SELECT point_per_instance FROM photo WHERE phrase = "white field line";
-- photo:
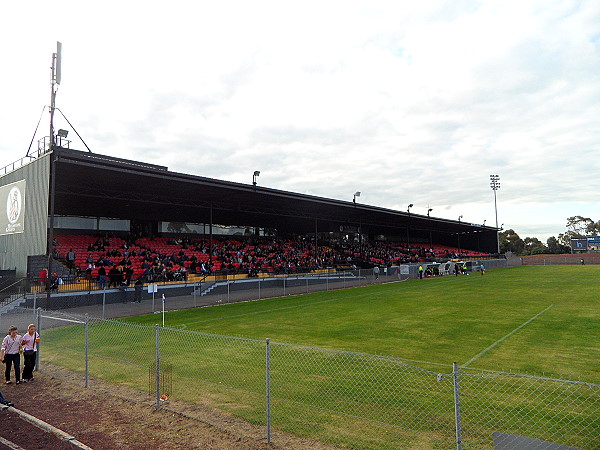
(61, 319)
(480, 354)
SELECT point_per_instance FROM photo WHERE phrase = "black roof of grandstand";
(90, 184)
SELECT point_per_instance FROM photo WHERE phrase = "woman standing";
(10, 354)
(29, 342)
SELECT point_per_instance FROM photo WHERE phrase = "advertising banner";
(579, 245)
(12, 216)
(593, 243)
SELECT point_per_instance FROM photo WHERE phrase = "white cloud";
(408, 102)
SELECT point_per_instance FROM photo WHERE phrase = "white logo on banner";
(13, 205)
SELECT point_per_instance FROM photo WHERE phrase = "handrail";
(11, 285)
(19, 163)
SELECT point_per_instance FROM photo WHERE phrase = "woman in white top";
(30, 342)
(11, 346)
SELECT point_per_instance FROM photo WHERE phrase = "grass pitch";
(540, 320)
(531, 319)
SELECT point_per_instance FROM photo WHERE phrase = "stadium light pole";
(408, 226)
(356, 194)
(495, 185)
(254, 175)
(430, 236)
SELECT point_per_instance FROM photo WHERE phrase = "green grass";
(331, 395)
(440, 320)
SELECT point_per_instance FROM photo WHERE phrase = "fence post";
(268, 389)
(104, 301)
(457, 407)
(87, 319)
(157, 366)
(259, 288)
(38, 312)
(284, 278)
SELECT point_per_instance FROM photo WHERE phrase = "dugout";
(83, 192)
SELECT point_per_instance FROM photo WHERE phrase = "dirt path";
(106, 416)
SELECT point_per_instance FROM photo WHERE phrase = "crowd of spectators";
(116, 261)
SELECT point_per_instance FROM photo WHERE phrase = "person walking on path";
(11, 347)
(30, 342)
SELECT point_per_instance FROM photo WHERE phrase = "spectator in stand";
(102, 277)
(88, 271)
(204, 269)
(114, 277)
(128, 271)
(43, 277)
(71, 259)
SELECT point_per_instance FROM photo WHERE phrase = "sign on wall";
(12, 208)
(593, 243)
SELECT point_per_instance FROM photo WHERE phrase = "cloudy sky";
(406, 102)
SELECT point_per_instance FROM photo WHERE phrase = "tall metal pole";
(52, 101)
(495, 185)
(157, 365)
(87, 346)
(316, 241)
(50, 231)
(268, 389)
(458, 428)
(38, 312)
(210, 230)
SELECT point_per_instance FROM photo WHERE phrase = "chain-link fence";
(344, 399)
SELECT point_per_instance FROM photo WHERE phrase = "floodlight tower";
(495, 185)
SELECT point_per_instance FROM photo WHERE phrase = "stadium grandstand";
(79, 214)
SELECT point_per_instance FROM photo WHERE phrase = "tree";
(577, 227)
(593, 228)
(533, 246)
(511, 242)
(554, 246)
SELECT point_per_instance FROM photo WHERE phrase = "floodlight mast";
(495, 185)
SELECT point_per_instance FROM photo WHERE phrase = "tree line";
(577, 227)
